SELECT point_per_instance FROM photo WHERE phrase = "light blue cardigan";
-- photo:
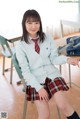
(36, 67)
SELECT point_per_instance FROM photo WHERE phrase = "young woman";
(37, 56)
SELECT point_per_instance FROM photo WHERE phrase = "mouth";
(33, 30)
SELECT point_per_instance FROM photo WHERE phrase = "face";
(32, 27)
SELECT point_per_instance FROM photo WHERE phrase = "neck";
(33, 36)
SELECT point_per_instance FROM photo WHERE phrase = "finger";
(73, 63)
(46, 98)
(79, 64)
(40, 98)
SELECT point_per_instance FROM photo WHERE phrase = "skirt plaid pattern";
(51, 86)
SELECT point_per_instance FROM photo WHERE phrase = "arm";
(60, 59)
(24, 64)
(73, 61)
(55, 58)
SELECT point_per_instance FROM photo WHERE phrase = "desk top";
(62, 42)
(14, 39)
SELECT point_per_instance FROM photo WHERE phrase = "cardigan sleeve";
(55, 58)
(24, 64)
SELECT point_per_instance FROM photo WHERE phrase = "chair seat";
(7, 54)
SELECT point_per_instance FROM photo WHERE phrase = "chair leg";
(69, 75)
(59, 117)
(3, 65)
(11, 72)
(60, 68)
(25, 107)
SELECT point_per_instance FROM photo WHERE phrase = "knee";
(63, 106)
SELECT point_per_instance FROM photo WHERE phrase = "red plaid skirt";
(51, 86)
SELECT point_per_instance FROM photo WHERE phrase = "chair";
(16, 65)
(7, 52)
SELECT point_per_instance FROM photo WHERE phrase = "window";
(11, 12)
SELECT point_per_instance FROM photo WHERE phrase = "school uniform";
(37, 69)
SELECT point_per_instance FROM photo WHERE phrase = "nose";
(33, 25)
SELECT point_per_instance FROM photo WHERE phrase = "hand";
(79, 63)
(43, 95)
(73, 61)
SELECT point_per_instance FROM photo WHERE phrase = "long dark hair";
(34, 15)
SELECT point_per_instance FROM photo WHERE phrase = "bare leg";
(63, 104)
(43, 110)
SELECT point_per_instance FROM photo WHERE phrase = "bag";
(73, 46)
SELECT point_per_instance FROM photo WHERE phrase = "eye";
(29, 22)
(36, 22)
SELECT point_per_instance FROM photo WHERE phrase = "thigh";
(62, 102)
(60, 98)
(42, 107)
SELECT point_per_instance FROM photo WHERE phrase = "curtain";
(63, 10)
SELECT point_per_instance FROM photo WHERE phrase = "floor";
(12, 97)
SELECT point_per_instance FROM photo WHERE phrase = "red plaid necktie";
(37, 48)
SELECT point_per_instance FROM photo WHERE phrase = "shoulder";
(49, 38)
(48, 35)
(19, 44)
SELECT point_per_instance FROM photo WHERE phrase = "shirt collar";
(30, 38)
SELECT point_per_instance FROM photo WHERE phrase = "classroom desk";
(74, 21)
(12, 40)
(62, 42)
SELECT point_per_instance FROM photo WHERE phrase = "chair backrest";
(18, 69)
(5, 45)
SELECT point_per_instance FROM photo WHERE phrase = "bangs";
(32, 19)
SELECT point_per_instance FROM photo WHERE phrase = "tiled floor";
(12, 97)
